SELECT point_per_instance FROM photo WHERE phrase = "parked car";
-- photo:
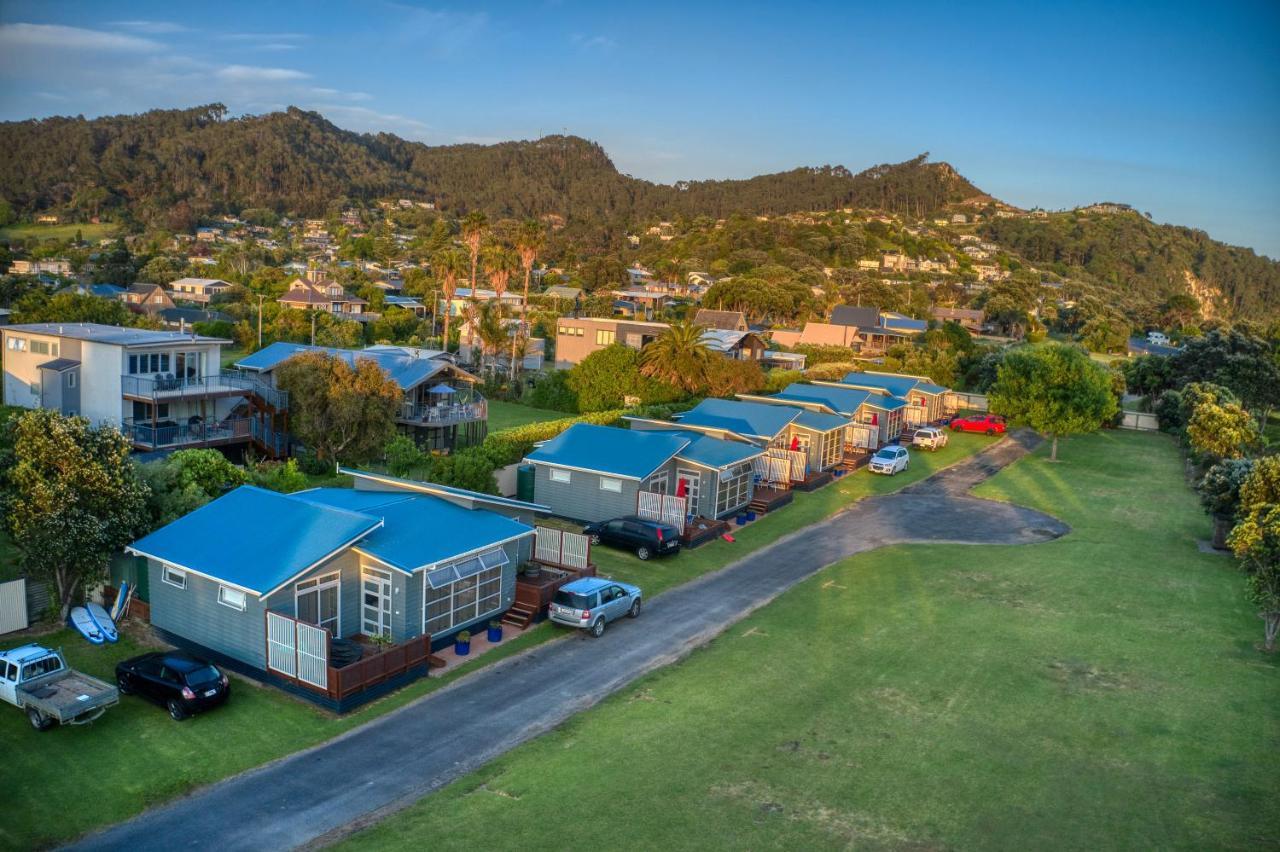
(180, 682)
(989, 424)
(39, 681)
(890, 460)
(647, 538)
(929, 438)
(590, 603)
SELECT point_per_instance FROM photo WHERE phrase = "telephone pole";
(313, 327)
(260, 298)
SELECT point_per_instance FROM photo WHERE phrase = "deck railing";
(376, 668)
(444, 415)
(167, 387)
(156, 436)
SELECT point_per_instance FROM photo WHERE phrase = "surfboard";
(117, 608)
(81, 620)
(104, 622)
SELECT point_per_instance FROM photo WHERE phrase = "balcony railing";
(167, 387)
(444, 415)
(161, 434)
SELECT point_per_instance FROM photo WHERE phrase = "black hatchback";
(180, 682)
(647, 538)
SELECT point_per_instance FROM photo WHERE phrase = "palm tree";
(488, 326)
(449, 265)
(678, 357)
(474, 227)
(528, 241)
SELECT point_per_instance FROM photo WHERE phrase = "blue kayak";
(81, 620)
(104, 622)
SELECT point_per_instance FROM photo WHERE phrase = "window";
(316, 601)
(174, 576)
(233, 598)
(734, 490)
(477, 591)
(18, 344)
(658, 482)
(604, 337)
(608, 483)
(558, 474)
(149, 362)
(71, 379)
(40, 347)
(832, 447)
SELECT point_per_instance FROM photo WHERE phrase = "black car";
(178, 681)
(647, 538)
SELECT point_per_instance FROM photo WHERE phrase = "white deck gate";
(797, 462)
(556, 547)
(663, 508)
(13, 606)
(771, 470)
(281, 644)
(298, 650)
(313, 655)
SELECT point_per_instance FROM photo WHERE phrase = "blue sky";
(1172, 107)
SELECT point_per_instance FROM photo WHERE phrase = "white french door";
(375, 602)
(693, 482)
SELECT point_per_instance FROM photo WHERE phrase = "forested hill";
(298, 162)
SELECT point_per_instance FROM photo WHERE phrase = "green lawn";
(140, 757)
(1098, 692)
(504, 415)
(89, 232)
(230, 355)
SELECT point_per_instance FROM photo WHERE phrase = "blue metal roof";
(896, 385)
(714, 452)
(437, 488)
(419, 530)
(609, 450)
(886, 403)
(406, 370)
(841, 400)
(821, 422)
(753, 419)
(255, 539)
(897, 322)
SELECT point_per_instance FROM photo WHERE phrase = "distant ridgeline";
(168, 168)
(298, 162)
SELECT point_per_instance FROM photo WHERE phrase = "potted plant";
(462, 643)
(495, 631)
(751, 516)
(741, 519)
(532, 570)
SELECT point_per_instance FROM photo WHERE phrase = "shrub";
(1220, 488)
(830, 372)
(552, 392)
(284, 477)
(1168, 409)
(403, 456)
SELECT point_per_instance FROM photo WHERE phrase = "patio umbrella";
(441, 388)
(795, 443)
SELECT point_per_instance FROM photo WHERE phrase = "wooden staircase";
(520, 616)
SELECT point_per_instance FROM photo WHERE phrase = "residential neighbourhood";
(396, 471)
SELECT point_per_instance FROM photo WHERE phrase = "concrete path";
(392, 761)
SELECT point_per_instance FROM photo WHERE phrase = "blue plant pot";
(462, 649)
(495, 634)
(751, 516)
(741, 520)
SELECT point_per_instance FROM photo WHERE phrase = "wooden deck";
(814, 481)
(702, 530)
(534, 593)
(770, 499)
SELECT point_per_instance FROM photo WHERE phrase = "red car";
(989, 424)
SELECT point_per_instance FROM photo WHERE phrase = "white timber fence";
(663, 508)
(960, 401)
(1143, 421)
(13, 606)
(557, 547)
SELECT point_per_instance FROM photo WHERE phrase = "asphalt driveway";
(396, 759)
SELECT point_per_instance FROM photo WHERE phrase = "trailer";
(38, 681)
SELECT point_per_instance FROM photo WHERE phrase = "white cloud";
(56, 36)
(152, 27)
(258, 74)
(366, 120)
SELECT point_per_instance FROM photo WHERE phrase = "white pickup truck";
(38, 680)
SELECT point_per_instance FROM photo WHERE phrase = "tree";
(339, 410)
(1220, 494)
(186, 480)
(474, 227)
(605, 378)
(1222, 431)
(77, 500)
(1055, 389)
(678, 357)
(449, 265)
(1255, 541)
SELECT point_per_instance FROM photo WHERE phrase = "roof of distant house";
(899, 322)
(750, 419)
(892, 383)
(407, 367)
(842, 400)
(201, 282)
(625, 453)
(118, 335)
(719, 319)
(855, 315)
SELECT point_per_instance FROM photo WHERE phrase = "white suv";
(890, 460)
(929, 438)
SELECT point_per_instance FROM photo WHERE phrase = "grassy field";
(88, 232)
(142, 758)
(504, 415)
(1098, 692)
